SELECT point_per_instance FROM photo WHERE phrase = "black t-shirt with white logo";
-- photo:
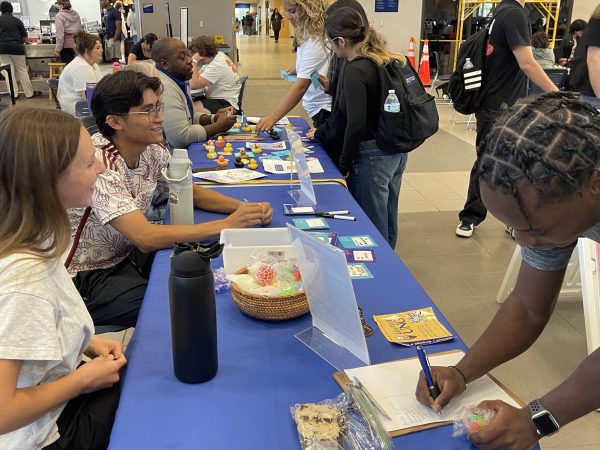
(505, 82)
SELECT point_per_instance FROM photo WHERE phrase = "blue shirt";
(111, 16)
(184, 87)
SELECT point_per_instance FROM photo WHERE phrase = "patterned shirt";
(118, 191)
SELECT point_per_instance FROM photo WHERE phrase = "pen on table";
(370, 397)
(334, 216)
(433, 389)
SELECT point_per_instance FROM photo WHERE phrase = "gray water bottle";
(193, 312)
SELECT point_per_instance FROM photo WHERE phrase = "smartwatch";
(544, 422)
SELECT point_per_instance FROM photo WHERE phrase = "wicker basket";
(266, 307)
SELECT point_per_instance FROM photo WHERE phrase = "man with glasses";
(111, 237)
(183, 125)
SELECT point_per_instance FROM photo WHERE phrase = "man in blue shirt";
(112, 31)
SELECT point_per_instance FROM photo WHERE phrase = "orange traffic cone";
(424, 73)
(411, 51)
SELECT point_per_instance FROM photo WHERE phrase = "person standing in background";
(307, 18)
(54, 9)
(131, 24)
(68, 23)
(564, 52)
(12, 50)
(541, 51)
(112, 31)
(276, 20)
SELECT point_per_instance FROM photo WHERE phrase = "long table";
(199, 160)
(263, 368)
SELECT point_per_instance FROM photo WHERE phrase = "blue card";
(291, 77)
(316, 223)
(329, 238)
(359, 270)
(281, 153)
(269, 157)
(351, 242)
(298, 210)
(314, 77)
(358, 256)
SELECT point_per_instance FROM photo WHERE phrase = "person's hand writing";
(324, 82)
(448, 380)
(267, 211)
(510, 428)
(310, 134)
(266, 123)
(104, 347)
(247, 215)
(100, 373)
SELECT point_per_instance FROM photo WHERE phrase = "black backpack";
(467, 87)
(418, 117)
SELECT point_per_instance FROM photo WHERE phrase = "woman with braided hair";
(539, 173)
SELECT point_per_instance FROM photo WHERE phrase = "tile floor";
(462, 276)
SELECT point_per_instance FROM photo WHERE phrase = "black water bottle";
(193, 314)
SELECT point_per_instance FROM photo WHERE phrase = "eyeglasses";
(152, 113)
(329, 42)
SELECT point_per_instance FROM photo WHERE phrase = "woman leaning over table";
(79, 72)
(374, 175)
(307, 17)
(49, 399)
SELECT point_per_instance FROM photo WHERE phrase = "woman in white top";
(48, 398)
(82, 70)
(312, 60)
(219, 75)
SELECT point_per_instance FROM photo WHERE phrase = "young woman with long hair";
(307, 18)
(374, 174)
(49, 400)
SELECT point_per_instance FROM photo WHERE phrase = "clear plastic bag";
(222, 284)
(344, 423)
(470, 419)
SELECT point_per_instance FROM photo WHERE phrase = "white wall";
(582, 9)
(38, 9)
(397, 27)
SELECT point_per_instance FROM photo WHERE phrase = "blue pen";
(433, 389)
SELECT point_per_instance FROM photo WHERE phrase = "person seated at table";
(79, 72)
(541, 51)
(182, 124)
(374, 174)
(218, 75)
(128, 110)
(49, 398)
(142, 51)
(307, 18)
(539, 173)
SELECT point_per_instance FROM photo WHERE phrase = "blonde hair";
(144, 67)
(34, 153)
(311, 17)
(348, 23)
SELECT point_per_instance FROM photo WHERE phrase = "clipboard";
(342, 379)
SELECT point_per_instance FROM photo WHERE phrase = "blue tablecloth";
(331, 172)
(263, 368)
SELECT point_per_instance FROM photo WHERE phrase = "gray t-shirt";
(45, 324)
(557, 258)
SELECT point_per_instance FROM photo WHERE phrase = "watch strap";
(535, 407)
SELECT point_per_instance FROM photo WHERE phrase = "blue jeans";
(374, 182)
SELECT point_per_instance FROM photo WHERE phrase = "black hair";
(335, 65)
(150, 39)
(117, 94)
(577, 25)
(549, 142)
(6, 7)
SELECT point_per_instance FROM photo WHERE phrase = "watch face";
(545, 423)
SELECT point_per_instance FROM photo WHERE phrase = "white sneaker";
(465, 229)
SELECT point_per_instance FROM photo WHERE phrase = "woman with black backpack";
(374, 174)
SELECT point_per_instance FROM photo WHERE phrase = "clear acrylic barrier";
(337, 333)
(306, 194)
